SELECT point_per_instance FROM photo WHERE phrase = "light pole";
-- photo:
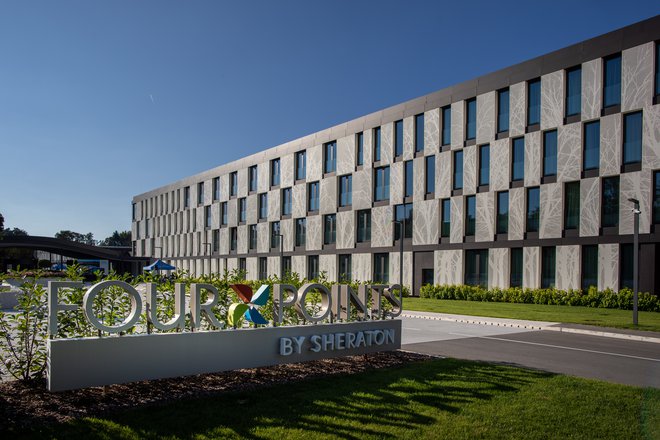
(281, 238)
(209, 254)
(402, 230)
(636, 213)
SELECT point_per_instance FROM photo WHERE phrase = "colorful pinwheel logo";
(249, 307)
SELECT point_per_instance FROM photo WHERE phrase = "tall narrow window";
(516, 268)
(572, 206)
(656, 197)
(476, 267)
(471, 119)
(200, 193)
(345, 190)
(345, 268)
(275, 234)
(484, 165)
(301, 232)
(419, 133)
(301, 165)
(550, 153)
(503, 212)
(359, 142)
(626, 271)
(612, 81)
(632, 138)
(242, 210)
(533, 209)
(470, 215)
(591, 152)
(430, 174)
(207, 216)
(286, 264)
(253, 237)
(223, 213)
(263, 206)
(408, 171)
(242, 266)
(216, 189)
(446, 125)
(548, 264)
(381, 268)
(252, 179)
(589, 266)
(233, 184)
(274, 172)
(503, 110)
(263, 268)
(364, 226)
(382, 184)
(610, 202)
(574, 91)
(404, 214)
(313, 197)
(286, 201)
(518, 159)
(312, 267)
(534, 102)
(186, 197)
(398, 138)
(215, 241)
(377, 144)
(330, 157)
(232, 239)
(458, 169)
(445, 222)
(657, 68)
(330, 229)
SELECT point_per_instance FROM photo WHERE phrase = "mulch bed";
(23, 406)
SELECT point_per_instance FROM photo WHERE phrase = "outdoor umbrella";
(159, 265)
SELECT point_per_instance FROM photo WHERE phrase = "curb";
(554, 328)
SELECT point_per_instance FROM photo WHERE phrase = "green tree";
(76, 236)
(117, 239)
(2, 223)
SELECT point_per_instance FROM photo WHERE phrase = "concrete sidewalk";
(607, 332)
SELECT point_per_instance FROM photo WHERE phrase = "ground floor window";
(548, 267)
(589, 266)
(344, 268)
(626, 275)
(516, 267)
(312, 267)
(381, 268)
(476, 267)
(263, 268)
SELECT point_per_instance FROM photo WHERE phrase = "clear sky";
(103, 100)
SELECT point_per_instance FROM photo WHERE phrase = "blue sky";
(103, 100)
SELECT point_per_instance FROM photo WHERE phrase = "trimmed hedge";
(607, 299)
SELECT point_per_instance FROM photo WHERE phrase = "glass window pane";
(360, 149)
(419, 132)
(610, 203)
(548, 267)
(446, 125)
(503, 212)
(589, 266)
(470, 215)
(550, 153)
(503, 110)
(408, 190)
(572, 205)
(534, 102)
(398, 138)
(446, 217)
(591, 154)
(471, 118)
(632, 141)
(612, 80)
(626, 275)
(533, 209)
(574, 91)
(484, 165)
(330, 159)
(430, 174)
(656, 197)
(516, 277)
(377, 144)
(458, 170)
(518, 159)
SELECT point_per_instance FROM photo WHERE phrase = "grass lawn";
(537, 312)
(436, 399)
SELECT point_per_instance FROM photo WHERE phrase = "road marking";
(558, 346)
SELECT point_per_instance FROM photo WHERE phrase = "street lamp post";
(636, 213)
(209, 253)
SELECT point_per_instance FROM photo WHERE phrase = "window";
(503, 212)
(364, 226)
(233, 184)
(589, 266)
(330, 229)
(470, 215)
(274, 172)
(286, 201)
(403, 214)
(232, 239)
(253, 237)
(656, 197)
(548, 267)
(252, 178)
(419, 133)
(572, 206)
(550, 153)
(408, 189)
(377, 144)
(186, 197)
(330, 157)
(359, 142)
(381, 184)
(445, 222)
(312, 267)
(430, 174)
(516, 268)
(471, 119)
(216, 188)
(503, 110)
(610, 202)
(200, 193)
(591, 154)
(133, 211)
(301, 232)
(518, 159)
(263, 268)
(223, 213)
(398, 138)
(263, 206)
(215, 240)
(626, 275)
(275, 234)
(657, 68)
(286, 265)
(533, 209)
(458, 169)
(301, 165)
(345, 268)
(446, 125)
(313, 197)
(476, 267)
(242, 210)
(242, 266)
(345, 190)
(574, 91)
(484, 165)
(612, 81)
(632, 138)
(381, 268)
(534, 102)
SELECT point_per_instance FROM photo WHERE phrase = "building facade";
(517, 178)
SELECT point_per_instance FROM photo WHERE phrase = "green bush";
(607, 298)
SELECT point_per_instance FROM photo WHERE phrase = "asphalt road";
(595, 357)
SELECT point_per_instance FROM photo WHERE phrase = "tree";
(14, 232)
(2, 223)
(76, 237)
(117, 239)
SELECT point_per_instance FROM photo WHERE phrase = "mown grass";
(439, 399)
(537, 312)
